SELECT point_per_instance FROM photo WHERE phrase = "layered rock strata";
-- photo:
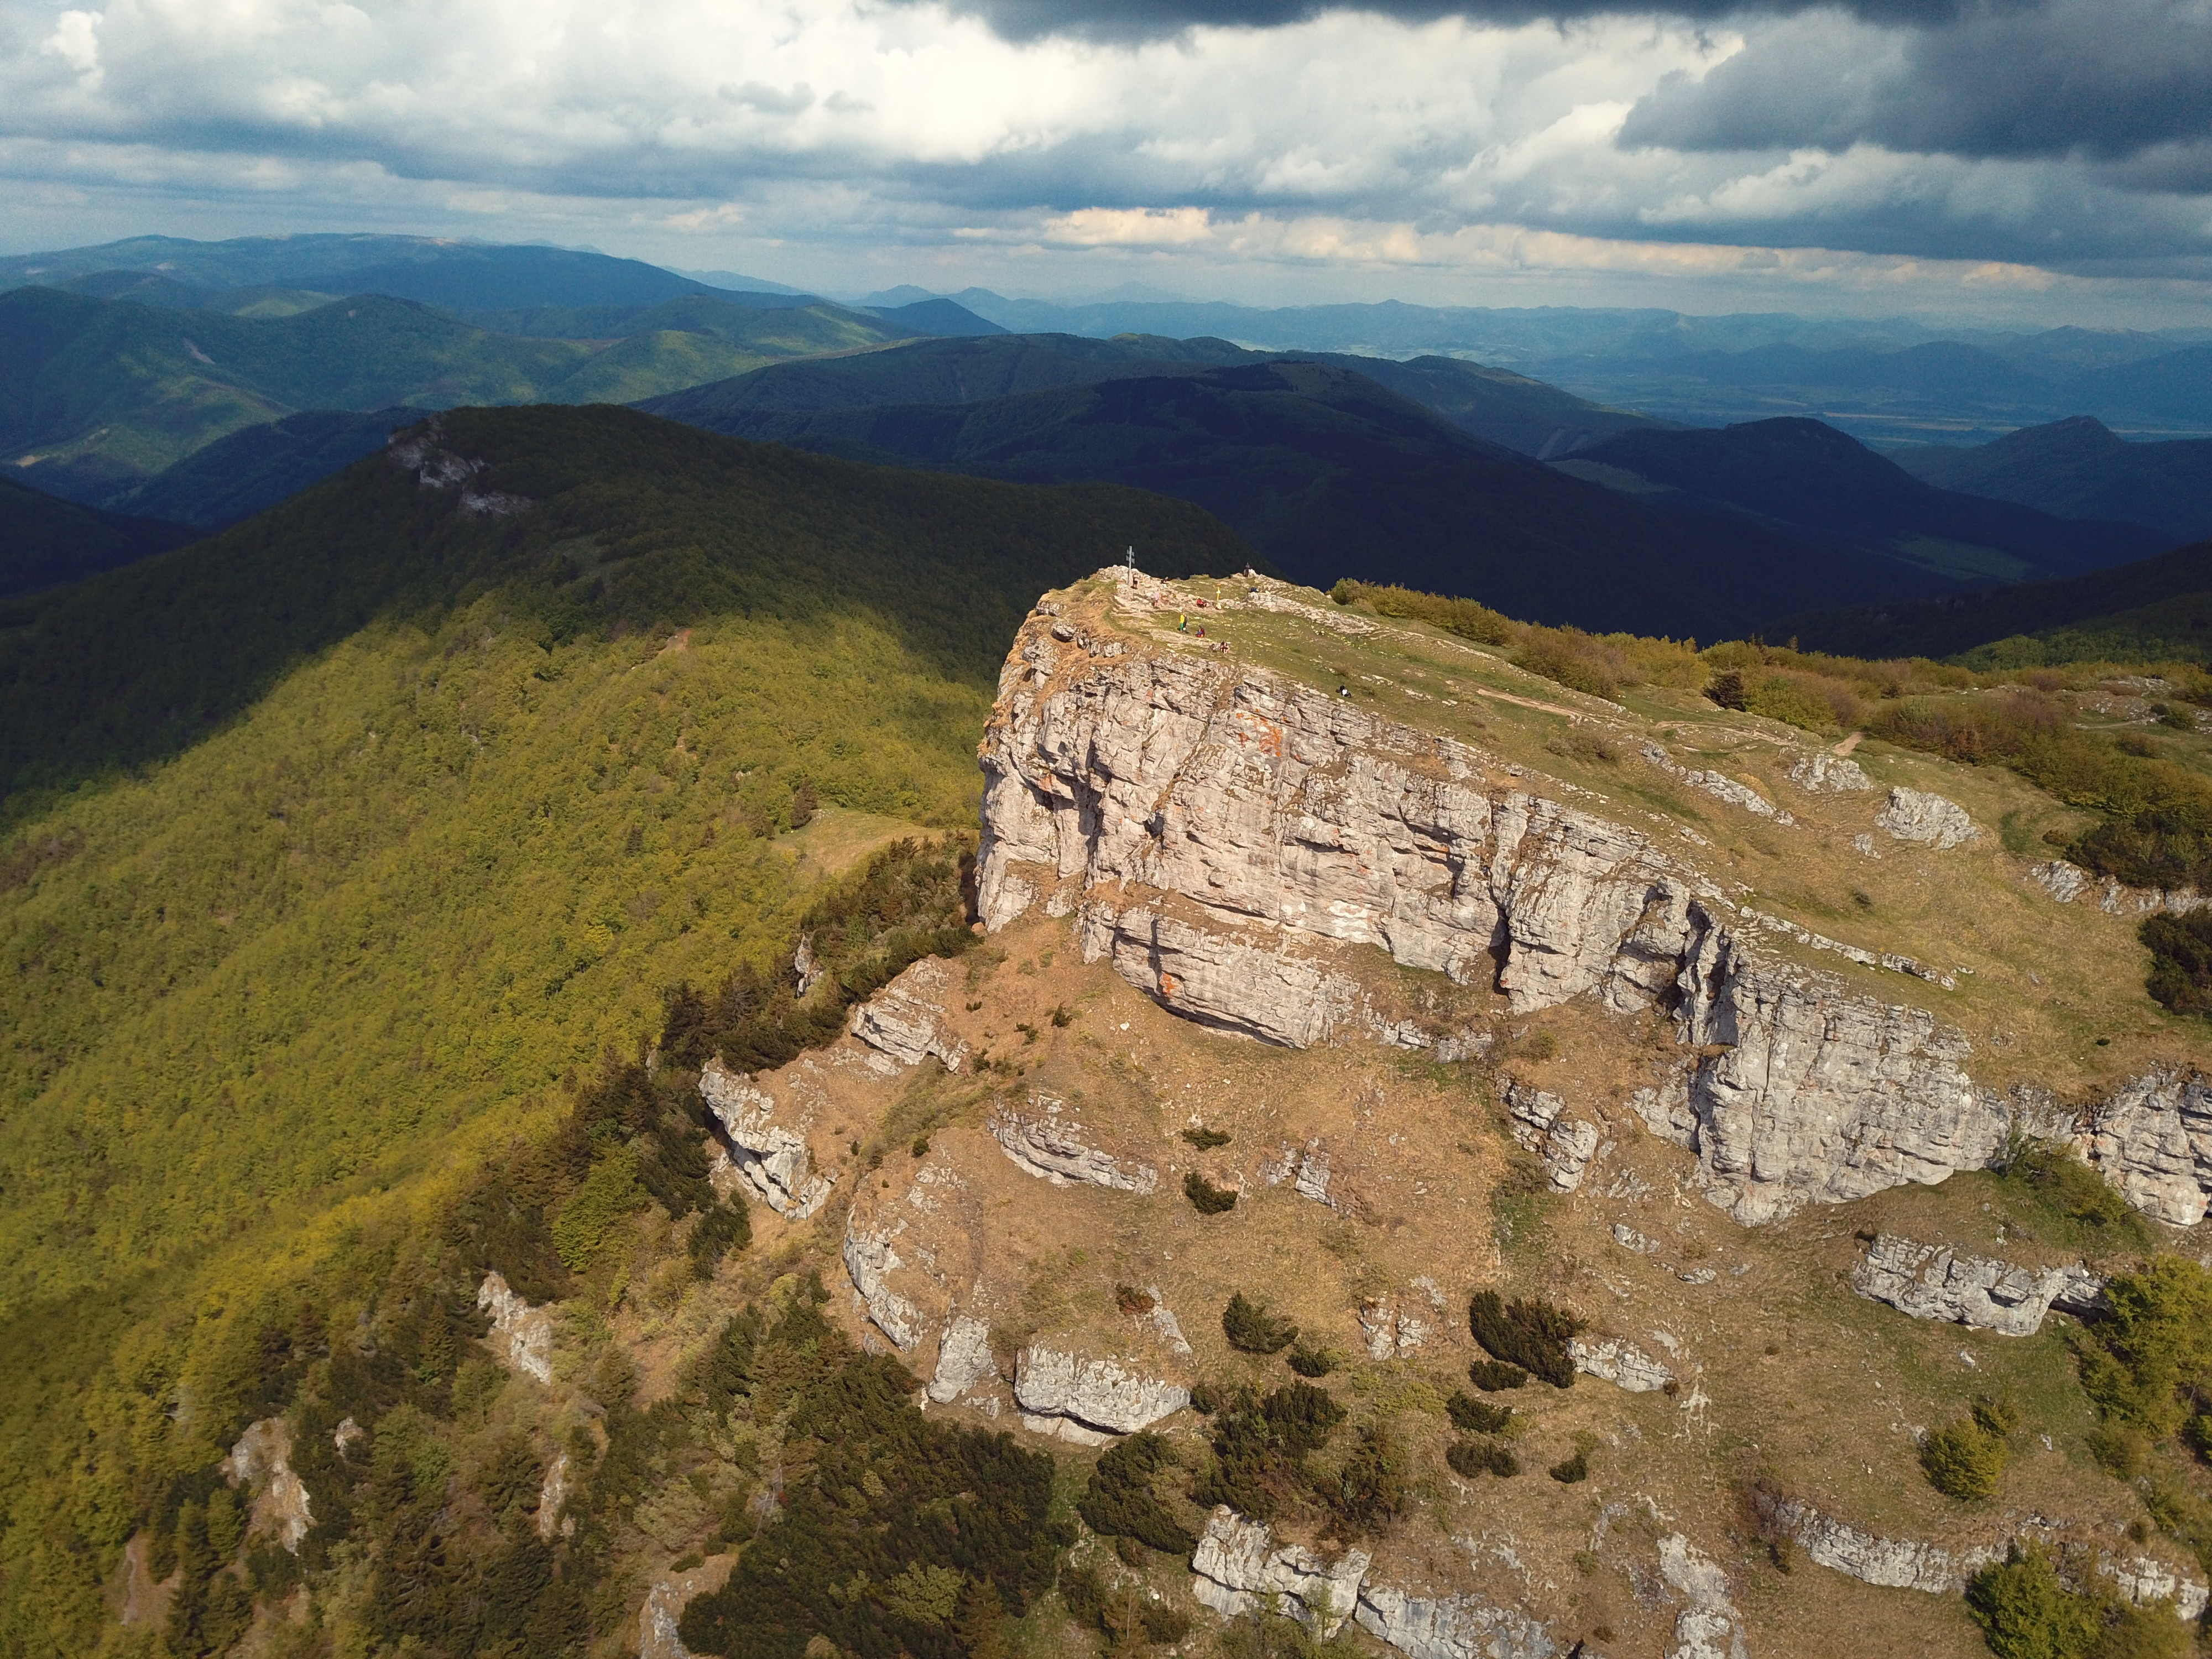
(1049, 1143)
(1088, 1399)
(2153, 1139)
(903, 1023)
(1621, 1363)
(1718, 785)
(1916, 816)
(1564, 1146)
(1227, 833)
(963, 1358)
(870, 1261)
(521, 1337)
(1450, 1626)
(1237, 1566)
(1932, 1281)
(771, 1159)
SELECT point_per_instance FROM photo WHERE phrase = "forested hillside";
(339, 846)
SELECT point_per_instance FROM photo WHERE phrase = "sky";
(2046, 159)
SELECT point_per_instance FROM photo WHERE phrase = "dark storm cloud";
(1141, 19)
(2100, 78)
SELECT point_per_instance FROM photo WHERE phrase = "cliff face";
(1230, 838)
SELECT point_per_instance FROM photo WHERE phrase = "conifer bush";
(1473, 1456)
(1529, 1333)
(1251, 1328)
(1207, 1198)
(1473, 1416)
(1119, 1501)
(1495, 1375)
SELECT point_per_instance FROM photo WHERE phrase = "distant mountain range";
(1888, 381)
(115, 375)
(1808, 480)
(2078, 468)
(1326, 472)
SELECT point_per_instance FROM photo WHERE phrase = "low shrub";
(1251, 1328)
(1965, 1460)
(1207, 1198)
(1311, 1361)
(1495, 1375)
(1260, 1448)
(2180, 961)
(1529, 1333)
(2027, 1612)
(2146, 1360)
(1569, 1470)
(1120, 1502)
(1369, 1489)
(2051, 1174)
(1205, 1140)
(1473, 1416)
(1473, 1457)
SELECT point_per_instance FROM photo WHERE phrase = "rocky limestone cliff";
(1237, 1566)
(1227, 834)
(521, 1335)
(772, 1159)
(1087, 1400)
(1932, 1281)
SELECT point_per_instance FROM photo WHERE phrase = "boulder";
(1450, 1626)
(1932, 1281)
(1708, 1626)
(1916, 816)
(1057, 1392)
(1621, 1363)
(1389, 1330)
(1237, 1565)
(903, 1023)
(772, 1159)
(522, 1336)
(1049, 1143)
(963, 1358)
(1827, 773)
(1564, 1146)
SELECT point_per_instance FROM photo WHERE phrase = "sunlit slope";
(425, 809)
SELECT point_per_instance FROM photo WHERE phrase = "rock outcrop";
(1718, 785)
(1049, 1143)
(1228, 833)
(1621, 1363)
(1709, 1626)
(1306, 1168)
(963, 1358)
(1237, 1566)
(772, 1159)
(261, 1461)
(1916, 816)
(869, 1262)
(552, 1499)
(1893, 1563)
(1450, 1626)
(1390, 1330)
(1810, 1094)
(1228, 826)
(2153, 1139)
(1932, 1281)
(522, 1336)
(903, 1023)
(1088, 1399)
(1564, 1146)
(1832, 773)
